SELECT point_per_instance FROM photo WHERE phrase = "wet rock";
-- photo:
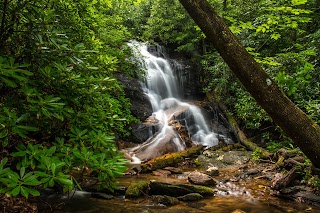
(300, 194)
(190, 197)
(161, 172)
(137, 189)
(250, 172)
(174, 170)
(166, 200)
(238, 211)
(199, 178)
(140, 104)
(140, 132)
(176, 190)
(223, 159)
(100, 195)
(212, 171)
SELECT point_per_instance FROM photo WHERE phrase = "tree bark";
(304, 132)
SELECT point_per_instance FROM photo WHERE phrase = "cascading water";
(162, 87)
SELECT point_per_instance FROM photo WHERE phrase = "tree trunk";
(294, 122)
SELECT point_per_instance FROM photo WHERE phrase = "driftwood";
(169, 159)
(288, 159)
(264, 154)
(286, 180)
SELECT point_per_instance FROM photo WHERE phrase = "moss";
(169, 159)
(166, 200)
(176, 190)
(137, 189)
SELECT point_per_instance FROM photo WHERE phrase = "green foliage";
(277, 35)
(60, 105)
(10, 124)
(14, 183)
(11, 73)
(169, 23)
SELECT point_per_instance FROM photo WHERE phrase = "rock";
(166, 200)
(300, 194)
(223, 159)
(140, 104)
(212, 171)
(137, 189)
(174, 170)
(199, 178)
(161, 172)
(140, 132)
(238, 211)
(100, 195)
(176, 190)
(190, 197)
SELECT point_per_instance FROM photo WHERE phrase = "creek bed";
(247, 195)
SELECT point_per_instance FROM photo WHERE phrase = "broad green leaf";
(32, 181)
(28, 128)
(4, 133)
(18, 131)
(64, 181)
(24, 192)
(22, 171)
(53, 168)
(9, 82)
(33, 192)
(16, 191)
(18, 154)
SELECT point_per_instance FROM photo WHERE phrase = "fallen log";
(169, 159)
(242, 138)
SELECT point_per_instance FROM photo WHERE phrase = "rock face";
(199, 178)
(140, 106)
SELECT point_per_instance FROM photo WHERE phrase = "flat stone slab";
(221, 159)
(200, 178)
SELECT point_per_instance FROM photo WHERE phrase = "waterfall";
(165, 93)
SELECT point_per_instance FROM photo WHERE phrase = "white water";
(164, 92)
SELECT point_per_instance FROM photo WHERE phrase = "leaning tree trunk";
(294, 122)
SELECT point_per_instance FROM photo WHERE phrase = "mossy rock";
(137, 189)
(191, 197)
(166, 200)
(176, 190)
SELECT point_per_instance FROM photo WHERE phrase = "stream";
(234, 192)
(248, 195)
